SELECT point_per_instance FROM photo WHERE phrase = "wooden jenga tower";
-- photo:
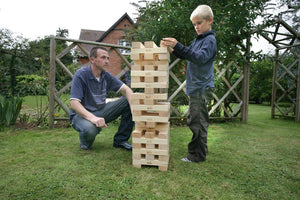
(150, 139)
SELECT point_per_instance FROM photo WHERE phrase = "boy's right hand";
(168, 42)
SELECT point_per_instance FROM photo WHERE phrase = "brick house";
(114, 35)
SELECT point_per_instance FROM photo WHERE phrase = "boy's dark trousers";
(198, 121)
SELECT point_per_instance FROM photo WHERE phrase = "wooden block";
(137, 68)
(150, 44)
(151, 62)
(154, 162)
(163, 135)
(149, 157)
(135, 102)
(135, 56)
(150, 134)
(161, 128)
(161, 44)
(162, 168)
(164, 113)
(136, 146)
(150, 91)
(140, 125)
(164, 56)
(140, 132)
(137, 45)
(150, 151)
(136, 133)
(150, 101)
(150, 124)
(135, 79)
(136, 156)
(162, 78)
(137, 113)
(149, 79)
(149, 85)
(164, 158)
(159, 106)
(151, 67)
(150, 146)
(155, 96)
(149, 73)
(140, 166)
(150, 141)
(149, 56)
(149, 50)
(150, 118)
(162, 67)
(164, 147)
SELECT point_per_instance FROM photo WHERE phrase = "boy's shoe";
(84, 147)
(186, 160)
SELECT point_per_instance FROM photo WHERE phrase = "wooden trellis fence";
(232, 100)
(286, 77)
(240, 109)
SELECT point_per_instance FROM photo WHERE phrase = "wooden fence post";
(52, 81)
(245, 97)
(298, 94)
(245, 91)
(274, 84)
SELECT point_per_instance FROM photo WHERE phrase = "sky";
(35, 19)
(39, 18)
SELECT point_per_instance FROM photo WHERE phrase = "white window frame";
(125, 43)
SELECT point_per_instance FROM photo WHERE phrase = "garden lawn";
(258, 160)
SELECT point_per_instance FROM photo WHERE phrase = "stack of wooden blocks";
(151, 112)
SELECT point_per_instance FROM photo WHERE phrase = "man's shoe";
(124, 145)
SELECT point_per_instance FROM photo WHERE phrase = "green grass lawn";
(258, 160)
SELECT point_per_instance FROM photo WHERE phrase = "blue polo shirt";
(90, 91)
(200, 68)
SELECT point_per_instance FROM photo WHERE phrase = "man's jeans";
(198, 120)
(111, 111)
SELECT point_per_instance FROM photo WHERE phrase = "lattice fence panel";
(227, 98)
(285, 83)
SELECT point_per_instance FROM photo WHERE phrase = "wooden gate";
(286, 74)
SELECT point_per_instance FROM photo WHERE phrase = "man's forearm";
(79, 109)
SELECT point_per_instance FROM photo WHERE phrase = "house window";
(125, 43)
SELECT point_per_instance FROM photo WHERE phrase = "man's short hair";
(93, 52)
(202, 11)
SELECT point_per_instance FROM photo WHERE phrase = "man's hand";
(79, 109)
(99, 122)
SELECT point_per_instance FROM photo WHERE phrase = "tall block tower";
(151, 111)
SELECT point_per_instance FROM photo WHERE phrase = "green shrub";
(28, 85)
(9, 110)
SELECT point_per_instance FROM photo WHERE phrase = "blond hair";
(202, 11)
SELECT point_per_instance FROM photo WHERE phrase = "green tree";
(19, 56)
(261, 80)
(233, 23)
(11, 56)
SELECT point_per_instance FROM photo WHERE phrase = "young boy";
(199, 78)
